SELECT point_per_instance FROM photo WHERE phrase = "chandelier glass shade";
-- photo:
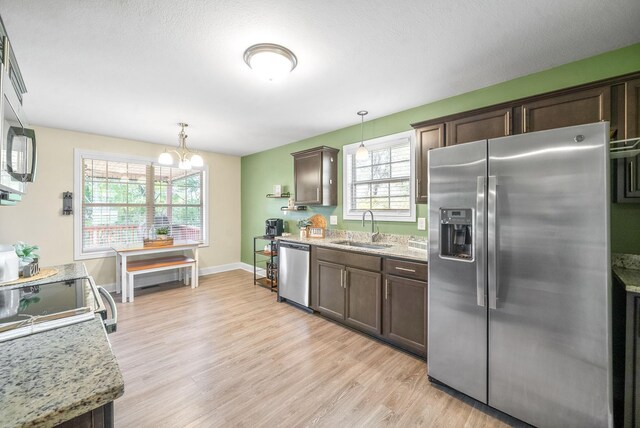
(186, 158)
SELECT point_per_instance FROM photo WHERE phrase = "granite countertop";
(53, 376)
(66, 272)
(399, 244)
(627, 268)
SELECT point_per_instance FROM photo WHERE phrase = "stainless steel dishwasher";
(293, 272)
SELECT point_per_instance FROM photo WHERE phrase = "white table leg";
(194, 276)
(196, 269)
(118, 282)
(123, 278)
(130, 281)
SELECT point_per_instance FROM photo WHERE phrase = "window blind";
(123, 201)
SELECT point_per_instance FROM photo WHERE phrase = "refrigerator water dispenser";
(455, 233)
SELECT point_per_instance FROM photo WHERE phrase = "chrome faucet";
(373, 234)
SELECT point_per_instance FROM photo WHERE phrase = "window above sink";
(382, 183)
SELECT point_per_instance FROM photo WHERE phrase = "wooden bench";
(159, 264)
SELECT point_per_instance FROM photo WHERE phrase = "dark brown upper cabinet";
(628, 173)
(576, 108)
(481, 126)
(315, 174)
(427, 138)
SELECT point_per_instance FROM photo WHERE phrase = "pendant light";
(362, 153)
(186, 159)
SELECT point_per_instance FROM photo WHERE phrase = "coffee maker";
(274, 227)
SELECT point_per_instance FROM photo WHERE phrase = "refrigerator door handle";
(479, 250)
(492, 238)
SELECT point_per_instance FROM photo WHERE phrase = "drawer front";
(406, 269)
(349, 258)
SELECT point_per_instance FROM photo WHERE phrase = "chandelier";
(186, 159)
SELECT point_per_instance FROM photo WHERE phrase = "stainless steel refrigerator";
(519, 274)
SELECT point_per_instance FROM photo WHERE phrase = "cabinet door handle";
(341, 278)
(317, 193)
(405, 269)
(345, 278)
(386, 289)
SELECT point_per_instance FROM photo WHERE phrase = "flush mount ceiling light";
(270, 61)
(362, 153)
(186, 159)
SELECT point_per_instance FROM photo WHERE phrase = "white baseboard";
(145, 280)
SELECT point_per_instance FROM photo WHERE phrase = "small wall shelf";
(283, 195)
(295, 208)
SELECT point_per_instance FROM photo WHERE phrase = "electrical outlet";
(422, 223)
(333, 220)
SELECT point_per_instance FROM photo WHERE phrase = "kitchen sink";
(371, 246)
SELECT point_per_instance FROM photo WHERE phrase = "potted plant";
(28, 258)
(162, 232)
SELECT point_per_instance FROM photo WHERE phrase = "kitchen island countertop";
(627, 268)
(56, 375)
(397, 249)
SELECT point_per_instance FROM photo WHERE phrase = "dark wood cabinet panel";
(481, 126)
(316, 176)
(349, 258)
(628, 173)
(364, 305)
(307, 178)
(576, 108)
(405, 313)
(101, 417)
(331, 294)
(427, 138)
(631, 413)
(406, 268)
(348, 287)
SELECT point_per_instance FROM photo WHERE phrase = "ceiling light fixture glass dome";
(186, 158)
(270, 61)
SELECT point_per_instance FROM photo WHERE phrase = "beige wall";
(38, 218)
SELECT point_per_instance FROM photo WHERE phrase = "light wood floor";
(227, 354)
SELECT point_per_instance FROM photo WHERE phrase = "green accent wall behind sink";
(260, 171)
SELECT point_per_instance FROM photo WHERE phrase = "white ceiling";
(133, 69)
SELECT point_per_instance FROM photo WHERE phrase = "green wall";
(260, 171)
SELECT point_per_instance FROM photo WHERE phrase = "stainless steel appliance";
(519, 275)
(273, 227)
(293, 272)
(18, 144)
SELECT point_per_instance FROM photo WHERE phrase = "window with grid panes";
(382, 183)
(122, 200)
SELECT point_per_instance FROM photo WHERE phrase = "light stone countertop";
(56, 375)
(66, 272)
(627, 268)
(398, 248)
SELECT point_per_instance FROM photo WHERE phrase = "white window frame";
(79, 155)
(373, 144)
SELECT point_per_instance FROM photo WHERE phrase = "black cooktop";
(47, 301)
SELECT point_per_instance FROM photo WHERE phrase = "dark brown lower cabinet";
(632, 362)
(101, 417)
(350, 295)
(364, 300)
(348, 287)
(405, 310)
(331, 295)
